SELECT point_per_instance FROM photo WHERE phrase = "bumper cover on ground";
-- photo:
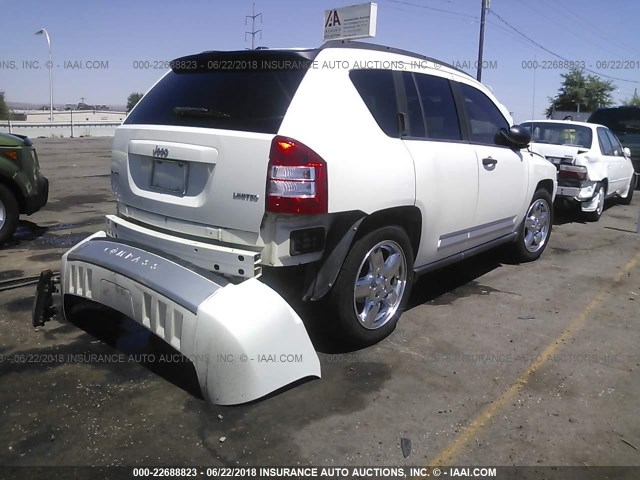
(244, 339)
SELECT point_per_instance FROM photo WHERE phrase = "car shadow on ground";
(32, 236)
(439, 287)
(134, 341)
(25, 232)
(563, 214)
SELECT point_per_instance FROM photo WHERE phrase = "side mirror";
(516, 137)
(627, 152)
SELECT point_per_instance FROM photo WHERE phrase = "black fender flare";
(342, 231)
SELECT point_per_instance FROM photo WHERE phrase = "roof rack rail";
(382, 48)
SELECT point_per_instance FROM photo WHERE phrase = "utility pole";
(485, 7)
(253, 31)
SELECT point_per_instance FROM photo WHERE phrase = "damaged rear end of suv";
(184, 252)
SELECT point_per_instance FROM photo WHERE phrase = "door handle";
(489, 162)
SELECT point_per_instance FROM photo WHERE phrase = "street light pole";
(50, 67)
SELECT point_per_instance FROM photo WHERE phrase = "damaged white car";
(592, 164)
(363, 164)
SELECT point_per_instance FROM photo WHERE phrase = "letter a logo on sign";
(332, 19)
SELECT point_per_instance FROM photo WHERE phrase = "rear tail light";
(296, 179)
(573, 172)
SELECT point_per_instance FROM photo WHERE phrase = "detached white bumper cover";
(244, 340)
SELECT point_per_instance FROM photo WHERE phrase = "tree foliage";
(634, 101)
(133, 99)
(4, 111)
(578, 89)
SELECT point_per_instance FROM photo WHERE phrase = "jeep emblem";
(160, 152)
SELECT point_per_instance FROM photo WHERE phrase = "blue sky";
(123, 32)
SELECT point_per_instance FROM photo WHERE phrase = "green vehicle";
(23, 189)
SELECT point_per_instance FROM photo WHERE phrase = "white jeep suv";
(365, 164)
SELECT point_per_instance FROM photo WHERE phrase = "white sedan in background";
(592, 164)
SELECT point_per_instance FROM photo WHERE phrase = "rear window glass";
(559, 133)
(246, 100)
(377, 89)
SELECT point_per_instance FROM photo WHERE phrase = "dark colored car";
(625, 123)
(22, 187)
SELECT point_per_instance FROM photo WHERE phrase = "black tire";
(388, 296)
(533, 235)
(632, 186)
(597, 213)
(9, 212)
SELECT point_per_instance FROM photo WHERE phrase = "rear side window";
(252, 101)
(615, 143)
(605, 144)
(377, 89)
(439, 107)
(485, 119)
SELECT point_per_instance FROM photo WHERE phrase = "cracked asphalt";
(493, 363)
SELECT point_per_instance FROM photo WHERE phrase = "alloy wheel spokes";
(380, 284)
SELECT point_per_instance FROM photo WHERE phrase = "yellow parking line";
(446, 456)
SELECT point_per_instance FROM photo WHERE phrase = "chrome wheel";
(536, 225)
(380, 284)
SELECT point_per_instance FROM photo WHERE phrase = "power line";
(517, 38)
(493, 12)
(434, 9)
(580, 33)
(593, 29)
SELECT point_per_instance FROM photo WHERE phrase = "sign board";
(356, 21)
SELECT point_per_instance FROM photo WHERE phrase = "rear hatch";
(196, 147)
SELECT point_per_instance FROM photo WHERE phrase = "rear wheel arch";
(407, 217)
(345, 233)
(605, 183)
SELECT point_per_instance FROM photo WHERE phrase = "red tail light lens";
(572, 172)
(296, 179)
